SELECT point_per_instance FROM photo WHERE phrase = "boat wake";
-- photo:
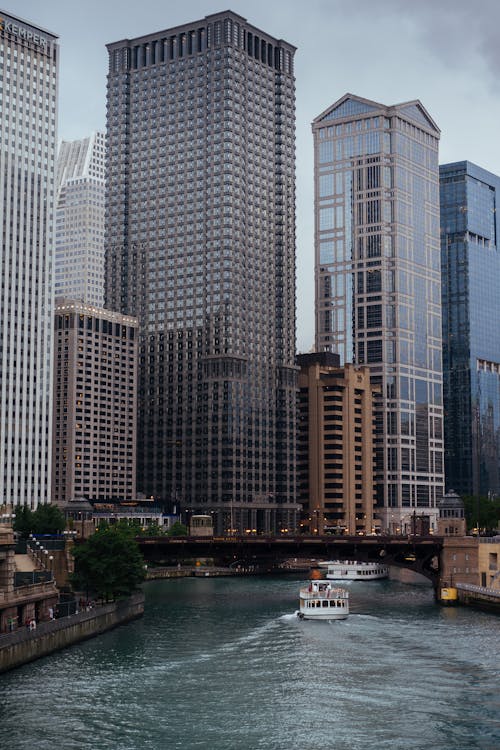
(364, 617)
(290, 617)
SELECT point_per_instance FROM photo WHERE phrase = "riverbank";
(23, 645)
(479, 597)
(205, 571)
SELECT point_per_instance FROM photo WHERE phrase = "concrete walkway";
(24, 564)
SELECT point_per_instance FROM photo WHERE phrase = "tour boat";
(351, 570)
(320, 601)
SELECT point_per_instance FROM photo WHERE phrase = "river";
(224, 664)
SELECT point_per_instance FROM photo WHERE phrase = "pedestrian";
(51, 613)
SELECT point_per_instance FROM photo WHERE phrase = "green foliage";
(23, 522)
(109, 564)
(134, 527)
(482, 511)
(46, 519)
(153, 529)
(177, 529)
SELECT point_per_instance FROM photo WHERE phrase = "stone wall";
(24, 645)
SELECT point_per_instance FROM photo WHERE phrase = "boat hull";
(321, 616)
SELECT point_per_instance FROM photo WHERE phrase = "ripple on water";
(227, 665)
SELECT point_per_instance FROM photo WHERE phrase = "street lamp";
(316, 513)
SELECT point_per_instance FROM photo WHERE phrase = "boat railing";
(324, 593)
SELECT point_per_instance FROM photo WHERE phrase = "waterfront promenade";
(24, 645)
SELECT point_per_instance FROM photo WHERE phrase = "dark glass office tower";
(201, 248)
(471, 329)
(378, 285)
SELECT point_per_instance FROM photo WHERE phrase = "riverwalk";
(24, 645)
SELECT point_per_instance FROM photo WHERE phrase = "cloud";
(459, 33)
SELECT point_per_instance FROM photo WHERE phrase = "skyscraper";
(28, 101)
(95, 388)
(80, 196)
(201, 248)
(470, 269)
(378, 299)
(335, 445)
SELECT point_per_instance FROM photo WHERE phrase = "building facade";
(378, 300)
(489, 562)
(470, 267)
(335, 438)
(80, 211)
(28, 118)
(21, 603)
(201, 122)
(95, 391)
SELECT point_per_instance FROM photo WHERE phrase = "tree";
(152, 529)
(46, 519)
(482, 512)
(109, 564)
(177, 529)
(23, 522)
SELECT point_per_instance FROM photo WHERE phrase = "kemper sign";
(22, 32)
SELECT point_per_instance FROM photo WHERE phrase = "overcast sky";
(444, 52)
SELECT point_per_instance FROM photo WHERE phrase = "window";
(374, 351)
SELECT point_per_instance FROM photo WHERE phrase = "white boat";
(351, 570)
(321, 601)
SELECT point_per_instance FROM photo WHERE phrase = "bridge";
(421, 554)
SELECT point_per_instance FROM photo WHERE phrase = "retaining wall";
(24, 645)
(479, 597)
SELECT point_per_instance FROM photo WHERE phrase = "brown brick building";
(335, 445)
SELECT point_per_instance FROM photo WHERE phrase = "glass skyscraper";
(201, 249)
(378, 279)
(28, 119)
(470, 267)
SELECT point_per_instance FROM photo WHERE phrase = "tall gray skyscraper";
(201, 248)
(80, 197)
(378, 284)
(28, 102)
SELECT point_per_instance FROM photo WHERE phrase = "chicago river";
(224, 664)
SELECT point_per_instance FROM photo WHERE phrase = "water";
(224, 664)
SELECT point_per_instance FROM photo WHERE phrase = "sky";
(443, 52)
